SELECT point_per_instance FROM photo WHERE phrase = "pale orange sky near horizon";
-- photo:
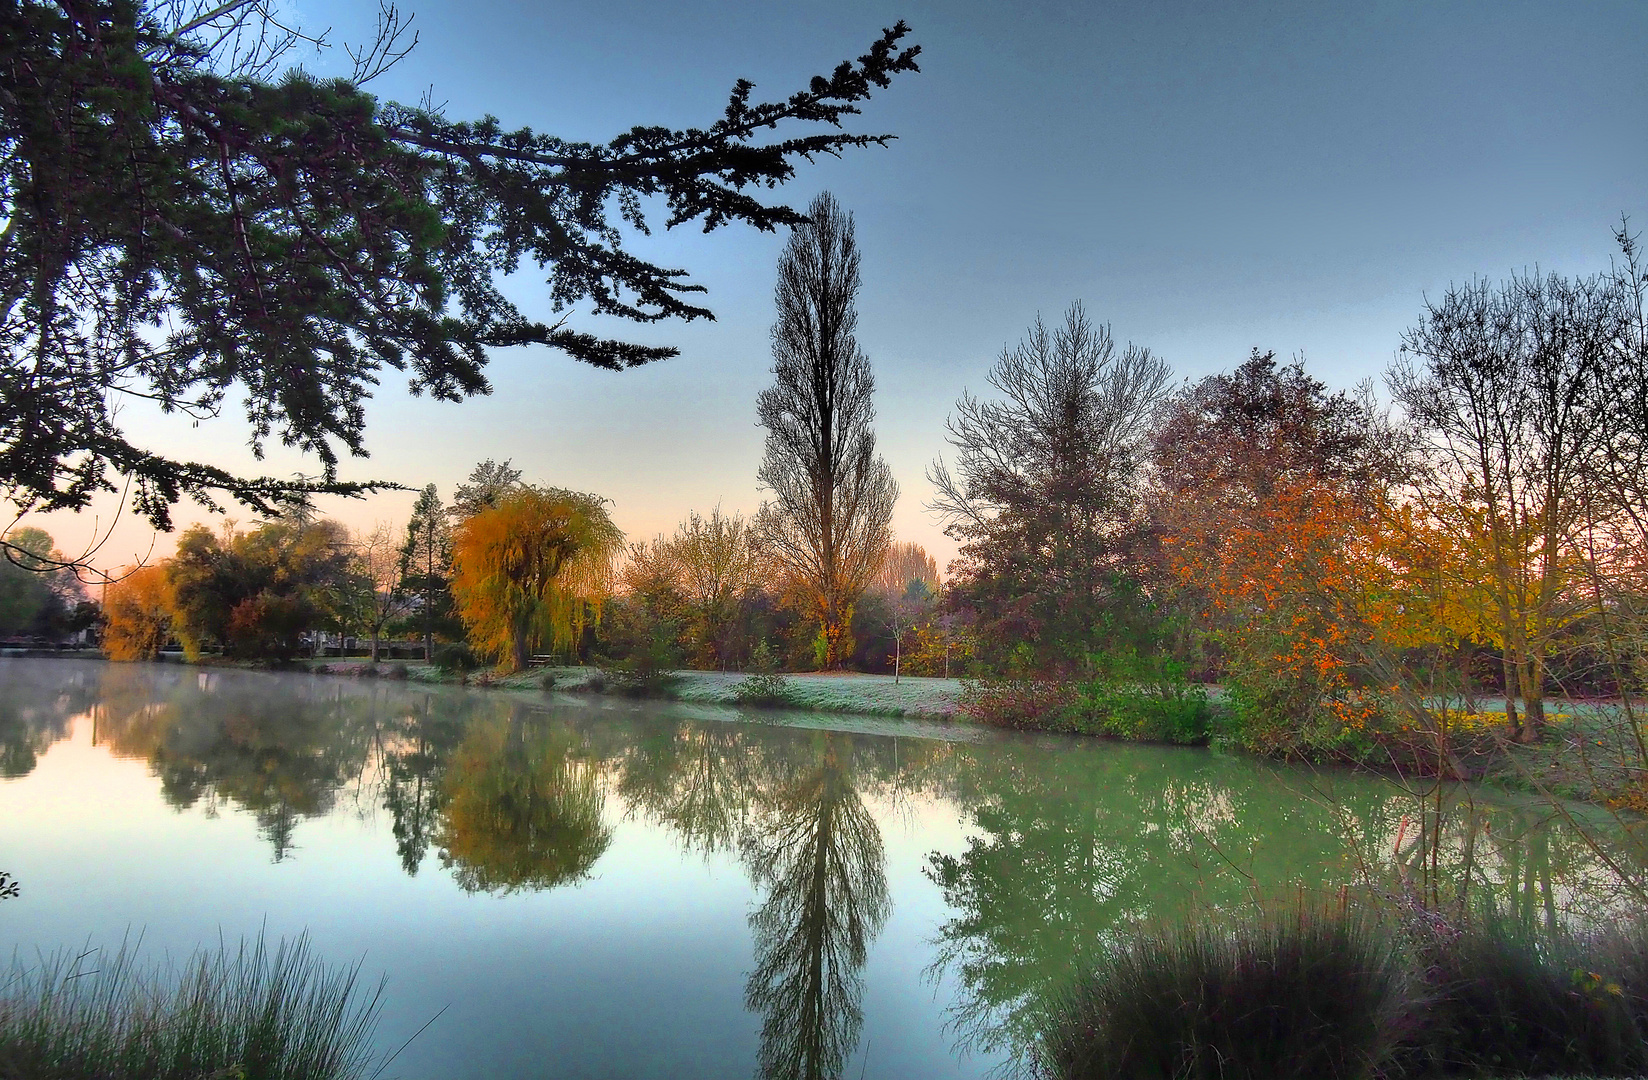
(1205, 178)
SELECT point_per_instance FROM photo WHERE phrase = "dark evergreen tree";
(488, 482)
(426, 567)
(181, 225)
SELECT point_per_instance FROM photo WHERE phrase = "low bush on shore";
(1336, 992)
(245, 1013)
(764, 687)
(1142, 699)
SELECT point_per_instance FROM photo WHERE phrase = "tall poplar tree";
(828, 523)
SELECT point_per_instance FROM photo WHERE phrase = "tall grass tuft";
(232, 1014)
(1509, 1000)
(1305, 992)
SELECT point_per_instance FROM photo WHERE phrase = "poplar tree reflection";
(524, 807)
(817, 851)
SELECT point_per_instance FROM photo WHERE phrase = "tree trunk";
(1508, 663)
(374, 644)
(836, 626)
(1533, 700)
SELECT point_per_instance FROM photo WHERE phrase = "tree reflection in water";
(524, 807)
(1066, 840)
(695, 779)
(244, 739)
(415, 750)
(817, 851)
(1071, 846)
(36, 707)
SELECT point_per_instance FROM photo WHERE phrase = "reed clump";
(1306, 992)
(1507, 999)
(242, 1013)
(1347, 991)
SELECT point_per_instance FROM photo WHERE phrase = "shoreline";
(1564, 767)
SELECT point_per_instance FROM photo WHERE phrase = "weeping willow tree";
(526, 570)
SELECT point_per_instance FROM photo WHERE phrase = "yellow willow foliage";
(524, 570)
(138, 614)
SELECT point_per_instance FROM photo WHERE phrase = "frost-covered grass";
(868, 695)
(843, 692)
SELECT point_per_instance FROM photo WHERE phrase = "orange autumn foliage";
(138, 614)
(525, 571)
(1314, 592)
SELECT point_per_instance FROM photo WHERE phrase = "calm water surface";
(591, 888)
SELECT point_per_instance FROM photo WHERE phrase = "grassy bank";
(247, 1013)
(844, 692)
(1589, 753)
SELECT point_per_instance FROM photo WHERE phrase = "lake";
(590, 887)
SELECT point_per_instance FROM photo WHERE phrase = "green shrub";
(649, 671)
(455, 658)
(1302, 993)
(242, 1013)
(764, 687)
(1143, 698)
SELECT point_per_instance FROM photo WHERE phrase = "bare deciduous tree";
(378, 561)
(828, 521)
(1045, 482)
(907, 562)
(1508, 383)
(718, 563)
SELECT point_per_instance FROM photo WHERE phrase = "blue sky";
(1205, 177)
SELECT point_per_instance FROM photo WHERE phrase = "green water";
(584, 887)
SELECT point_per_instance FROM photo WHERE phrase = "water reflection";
(242, 739)
(35, 712)
(695, 779)
(1070, 846)
(1065, 840)
(415, 747)
(817, 852)
(524, 806)
(790, 804)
